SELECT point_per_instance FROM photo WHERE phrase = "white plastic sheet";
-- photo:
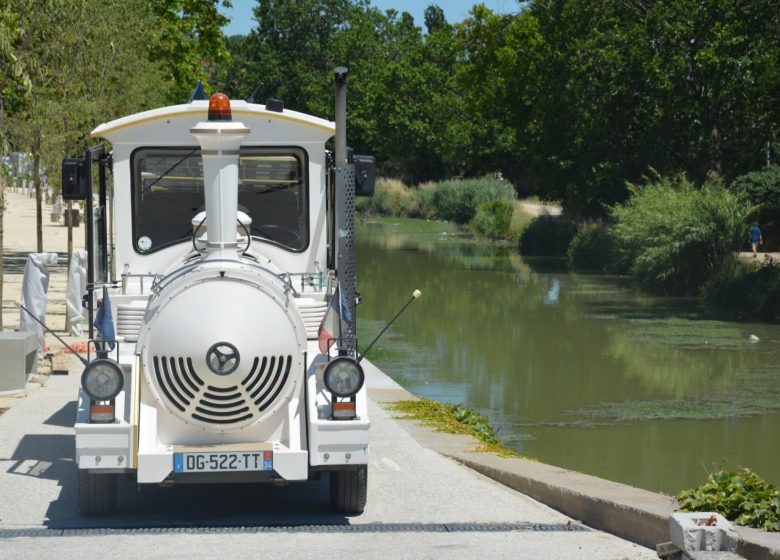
(35, 285)
(77, 288)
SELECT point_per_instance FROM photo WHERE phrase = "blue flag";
(104, 321)
(336, 323)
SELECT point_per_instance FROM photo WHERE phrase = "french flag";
(337, 322)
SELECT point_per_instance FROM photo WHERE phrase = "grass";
(455, 419)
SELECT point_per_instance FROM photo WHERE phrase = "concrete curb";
(631, 513)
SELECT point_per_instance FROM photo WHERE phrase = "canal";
(574, 370)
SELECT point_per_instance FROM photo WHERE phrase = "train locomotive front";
(229, 352)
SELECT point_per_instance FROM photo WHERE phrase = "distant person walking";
(755, 238)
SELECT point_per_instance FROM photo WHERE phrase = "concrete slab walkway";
(420, 505)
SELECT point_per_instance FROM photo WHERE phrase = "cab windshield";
(168, 192)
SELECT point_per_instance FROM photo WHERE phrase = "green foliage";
(549, 96)
(744, 290)
(591, 247)
(582, 96)
(762, 190)
(493, 219)
(742, 497)
(761, 187)
(455, 419)
(547, 236)
(672, 236)
(189, 40)
(391, 198)
(458, 201)
(425, 206)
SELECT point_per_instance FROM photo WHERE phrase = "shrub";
(458, 201)
(391, 198)
(761, 187)
(742, 497)
(547, 236)
(744, 290)
(493, 219)
(425, 208)
(672, 236)
(591, 247)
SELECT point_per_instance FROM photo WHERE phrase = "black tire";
(97, 493)
(348, 490)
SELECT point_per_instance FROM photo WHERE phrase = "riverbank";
(575, 370)
(631, 513)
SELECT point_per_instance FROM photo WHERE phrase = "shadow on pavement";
(51, 457)
(193, 506)
(63, 417)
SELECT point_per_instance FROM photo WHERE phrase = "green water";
(574, 370)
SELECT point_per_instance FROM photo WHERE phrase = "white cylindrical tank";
(223, 346)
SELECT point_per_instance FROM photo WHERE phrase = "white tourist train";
(222, 285)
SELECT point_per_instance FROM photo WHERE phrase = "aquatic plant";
(454, 419)
(742, 497)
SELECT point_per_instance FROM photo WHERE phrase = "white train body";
(225, 266)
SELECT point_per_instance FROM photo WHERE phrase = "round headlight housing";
(343, 376)
(102, 379)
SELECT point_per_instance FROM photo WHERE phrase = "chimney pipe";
(340, 74)
(220, 142)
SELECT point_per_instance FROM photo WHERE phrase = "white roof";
(198, 111)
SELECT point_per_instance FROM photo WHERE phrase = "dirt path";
(541, 209)
(761, 256)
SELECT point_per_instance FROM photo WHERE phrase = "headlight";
(102, 379)
(343, 377)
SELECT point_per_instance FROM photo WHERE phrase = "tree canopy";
(568, 99)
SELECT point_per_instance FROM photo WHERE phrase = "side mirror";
(365, 175)
(74, 180)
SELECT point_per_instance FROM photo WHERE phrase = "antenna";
(416, 294)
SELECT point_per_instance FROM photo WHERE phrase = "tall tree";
(14, 85)
(190, 39)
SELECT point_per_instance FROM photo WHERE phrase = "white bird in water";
(753, 338)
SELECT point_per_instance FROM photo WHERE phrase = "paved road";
(420, 505)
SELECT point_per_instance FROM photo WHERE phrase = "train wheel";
(97, 493)
(348, 490)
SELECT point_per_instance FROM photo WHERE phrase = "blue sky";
(455, 10)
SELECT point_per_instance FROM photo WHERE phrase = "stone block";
(18, 359)
(702, 531)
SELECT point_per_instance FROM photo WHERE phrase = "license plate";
(230, 461)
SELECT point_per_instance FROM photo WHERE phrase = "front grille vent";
(129, 320)
(184, 389)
